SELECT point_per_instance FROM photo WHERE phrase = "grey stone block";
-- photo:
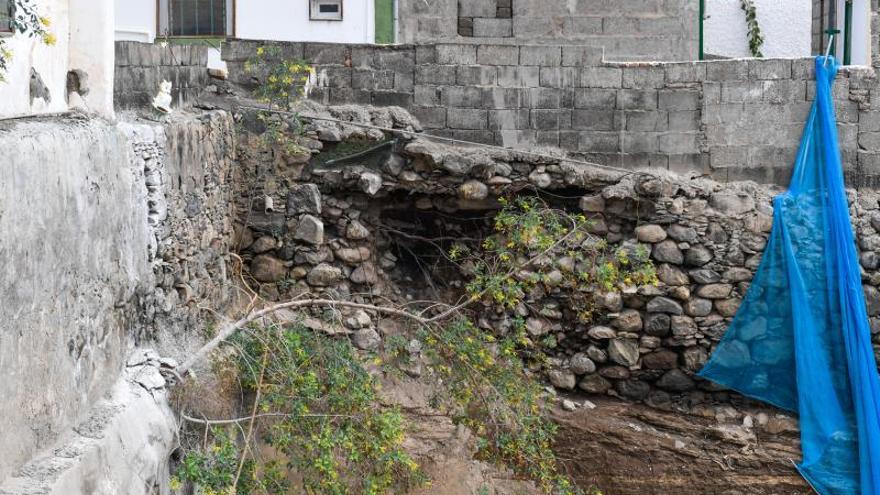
(727, 70)
(784, 91)
(466, 118)
(430, 117)
(549, 98)
(742, 92)
(679, 142)
(404, 81)
(559, 77)
(435, 74)
(637, 99)
(646, 120)
(685, 72)
(593, 98)
(684, 121)
(392, 98)
(477, 8)
(426, 54)
(547, 138)
(493, 28)
(545, 56)
(769, 69)
(338, 77)
(508, 119)
(593, 119)
(476, 75)
(326, 53)
(462, 97)
(367, 79)
(679, 99)
(601, 77)
(548, 120)
(498, 55)
(598, 142)
(579, 56)
(503, 98)
(644, 77)
(518, 77)
(396, 59)
(456, 54)
(341, 96)
(869, 121)
(427, 95)
(474, 136)
(581, 28)
(639, 142)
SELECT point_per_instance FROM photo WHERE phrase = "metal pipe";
(847, 32)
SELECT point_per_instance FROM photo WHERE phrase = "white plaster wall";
(786, 25)
(136, 20)
(286, 20)
(84, 32)
(50, 62)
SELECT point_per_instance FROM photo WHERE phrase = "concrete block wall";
(728, 119)
(140, 67)
(626, 29)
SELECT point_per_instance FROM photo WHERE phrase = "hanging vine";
(24, 19)
(756, 39)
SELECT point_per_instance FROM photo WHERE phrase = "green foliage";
(324, 418)
(564, 254)
(214, 468)
(282, 84)
(756, 39)
(25, 19)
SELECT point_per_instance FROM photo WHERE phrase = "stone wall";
(729, 119)
(626, 29)
(117, 233)
(140, 67)
(347, 228)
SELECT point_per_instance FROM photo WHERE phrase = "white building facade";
(37, 73)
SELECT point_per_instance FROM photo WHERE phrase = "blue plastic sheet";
(801, 340)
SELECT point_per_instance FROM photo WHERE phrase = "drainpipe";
(702, 21)
(847, 32)
(832, 26)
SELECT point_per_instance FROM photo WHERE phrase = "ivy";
(25, 19)
(756, 39)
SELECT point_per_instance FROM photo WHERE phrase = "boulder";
(266, 268)
(667, 252)
(650, 233)
(581, 364)
(324, 275)
(623, 352)
(310, 230)
(662, 304)
(303, 198)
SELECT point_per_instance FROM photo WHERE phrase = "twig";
(218, 422)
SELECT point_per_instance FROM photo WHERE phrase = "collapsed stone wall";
(140, 67)
(335, 228)
(117, 233)
(728, 119)
(627, 29)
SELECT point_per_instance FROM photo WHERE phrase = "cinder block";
(547, 98)
(869, 121)
(502, 98)
(637, 99)
(742, 92)
(769, 69)
(580, 28)
(493, 28)
(644, 77)
(679, 142)
(785, 91)
(518, 77)
(396, 59)
(338, 77)
(601, 77)
(363, 57)
(727, 70)
(646, 120)
(498, 55)
(598, 142)
(547, 138)
(430, 117)
(548, 120)
(467, 118)
(426, 54)
(544, 56)
(474, 136)
(593, 98)
(392, 98)
(593, 119)
(477, 8)
(869, 141)
(462, 97)
(688, 120)
(341, 96)
(456, 54)
(679, 99)
(688, 72)
(508, 119)
(559, 77)
(326, 53)
(579, 56)
(367, 79)
(476, 75)
(435, 74)
(427, 95)
(639, 142)
(404, 81)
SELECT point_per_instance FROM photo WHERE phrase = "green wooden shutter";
(384, 22)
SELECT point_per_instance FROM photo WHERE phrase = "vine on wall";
(756, 39)
(25, 19)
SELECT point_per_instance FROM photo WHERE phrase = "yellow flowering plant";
(26, 20)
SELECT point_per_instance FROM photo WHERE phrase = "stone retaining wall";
(729, 119)
(140, 67)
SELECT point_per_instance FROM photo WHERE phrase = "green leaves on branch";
(756, 39)
(25, 19)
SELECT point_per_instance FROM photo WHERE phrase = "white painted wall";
(84, 30)
(288, 20)
(136, 20)
(861, 32)
(785, 24)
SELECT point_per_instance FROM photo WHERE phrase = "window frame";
(317, 16)
(7, 29)
(165, 21)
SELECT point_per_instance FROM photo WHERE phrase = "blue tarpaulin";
(800, 339)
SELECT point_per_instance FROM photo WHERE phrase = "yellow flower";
(260, 50)
(49, 39)
(45, 21)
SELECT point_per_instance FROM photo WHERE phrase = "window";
(6, 16)
(325, 10)
(195, 17)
